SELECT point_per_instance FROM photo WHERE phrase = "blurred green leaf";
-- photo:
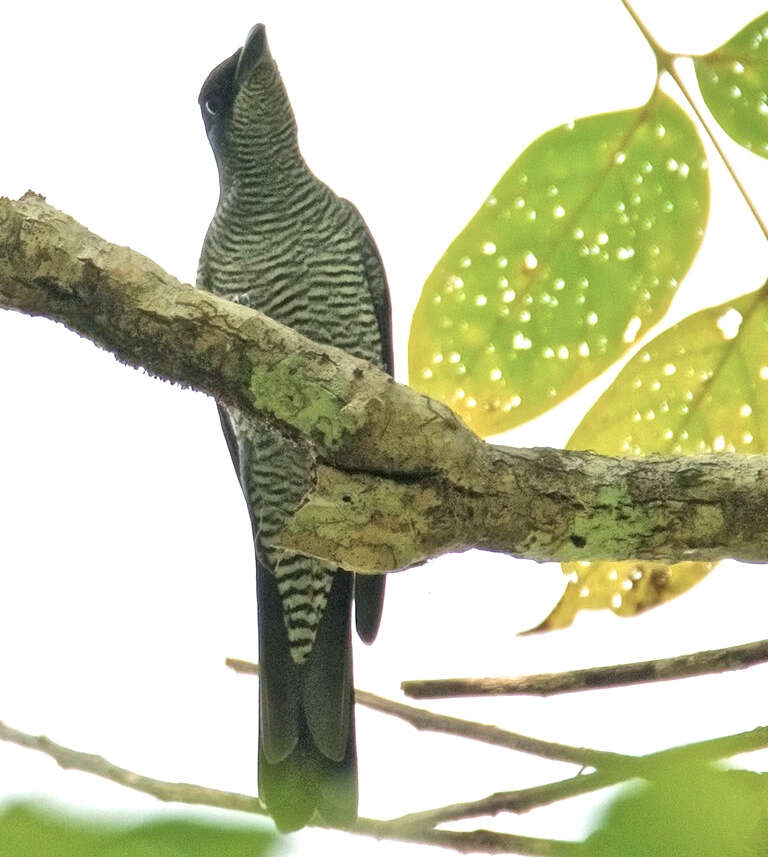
(734, 83)
(690, 811)
(578, 249)
(701, 386)
(31, 830)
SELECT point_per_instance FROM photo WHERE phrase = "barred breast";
(299, 258)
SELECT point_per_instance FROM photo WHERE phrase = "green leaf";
(734, 82)
(687, 811)
(34, 831)
(701, 386)
(579, 248)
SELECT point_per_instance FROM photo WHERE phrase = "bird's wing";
(229, 436)
(369, 589)
(377, 285)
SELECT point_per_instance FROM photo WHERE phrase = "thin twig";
(160, 789)
(430, 721)
(518, 801)
(613, 767)
(477, 840)
(547, 684)
(523, 800)
(415, 827)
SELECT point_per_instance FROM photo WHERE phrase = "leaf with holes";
(578, 249)
(626, 588)
(734, 83)
(701, 386)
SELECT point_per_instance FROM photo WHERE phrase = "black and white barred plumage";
(282, 242)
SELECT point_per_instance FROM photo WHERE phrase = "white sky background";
(125, 556)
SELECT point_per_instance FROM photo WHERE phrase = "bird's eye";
(212, 107)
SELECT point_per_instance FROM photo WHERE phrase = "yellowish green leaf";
(626, 588)
(577, 250)
(701, 386)
(734, 82)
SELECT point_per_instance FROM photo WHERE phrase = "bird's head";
(245, 108)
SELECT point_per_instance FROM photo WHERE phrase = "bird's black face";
(217, 95)
(237, 96)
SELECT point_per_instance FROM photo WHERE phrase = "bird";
(282, 242)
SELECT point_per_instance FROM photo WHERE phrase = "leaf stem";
(665, 61)
(673, 73)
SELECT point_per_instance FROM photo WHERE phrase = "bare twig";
(475, 841)
(417, 827)
(399, 478)
(160, 789)
(518, 801)
(547, 684)
(478, 841)
(613, 767)
(430, 721)
(523, 800)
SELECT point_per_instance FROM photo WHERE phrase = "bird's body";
(282, 242)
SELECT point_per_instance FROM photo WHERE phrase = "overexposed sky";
(125, 562)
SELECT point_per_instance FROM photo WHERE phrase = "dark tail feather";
(305, 782)
(307, 758)
(369, 602)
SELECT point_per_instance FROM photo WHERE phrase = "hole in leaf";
(729, 323)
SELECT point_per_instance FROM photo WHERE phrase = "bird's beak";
(254, 51)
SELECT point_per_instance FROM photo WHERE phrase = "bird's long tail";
(307, 756)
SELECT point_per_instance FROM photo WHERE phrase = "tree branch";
(416, 827)
(430, 721)
(523, 800)
(478, 841)
(399, 477)
(160, 789)
(619, 675)
(613, 768)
